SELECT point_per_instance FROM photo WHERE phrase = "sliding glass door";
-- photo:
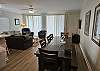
(55, 24)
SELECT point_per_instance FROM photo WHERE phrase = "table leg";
(66, 65)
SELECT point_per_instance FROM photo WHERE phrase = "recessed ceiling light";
(31, 11)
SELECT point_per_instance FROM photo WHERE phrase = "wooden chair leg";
(8, 51)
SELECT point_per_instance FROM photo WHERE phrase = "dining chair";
(42, 34)
(51, 35)
(42, 43)
(62, 35)
(49, 38)
(48, 60)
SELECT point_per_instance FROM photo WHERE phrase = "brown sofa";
(21, 42)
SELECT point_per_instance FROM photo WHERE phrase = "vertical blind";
(55, 24)
(34, 23)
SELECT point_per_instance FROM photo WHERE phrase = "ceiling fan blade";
(2, 3)
(31, 8)
(24, 9)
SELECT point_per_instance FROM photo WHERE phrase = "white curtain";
(71, 22)
(55, 24)
(34, 23)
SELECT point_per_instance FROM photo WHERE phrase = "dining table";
(60, 45)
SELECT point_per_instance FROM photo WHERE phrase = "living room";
(44, 14)
(16, 46)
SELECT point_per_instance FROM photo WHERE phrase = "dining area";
(59, 54)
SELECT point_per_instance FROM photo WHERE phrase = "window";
(55, 24)
(34, 23)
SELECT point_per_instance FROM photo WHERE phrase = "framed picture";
(87, 22)
(17, 22)
(96, 25)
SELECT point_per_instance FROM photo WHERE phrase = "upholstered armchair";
(76, 38)
(27, 31)
(42, 34)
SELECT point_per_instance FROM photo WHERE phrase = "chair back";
(48, 52)
(48, 56)
(49, 38)
(42, 43)
(62, 35)
(48, 60)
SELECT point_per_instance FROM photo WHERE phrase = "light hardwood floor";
(23, 61)
(27, 61)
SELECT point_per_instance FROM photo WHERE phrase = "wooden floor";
(27, 61)
(81, 62)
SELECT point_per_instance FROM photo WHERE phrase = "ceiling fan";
(30, 9)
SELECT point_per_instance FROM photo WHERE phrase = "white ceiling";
(41, 5)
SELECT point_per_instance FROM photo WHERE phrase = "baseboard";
(86, 59)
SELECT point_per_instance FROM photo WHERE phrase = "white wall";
(11, 17)
(91, 50)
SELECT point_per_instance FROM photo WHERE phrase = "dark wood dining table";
(60, 45)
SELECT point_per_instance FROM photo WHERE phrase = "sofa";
(20, 42)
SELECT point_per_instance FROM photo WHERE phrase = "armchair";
(42, 34)
(76, 38)
(27, 31)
